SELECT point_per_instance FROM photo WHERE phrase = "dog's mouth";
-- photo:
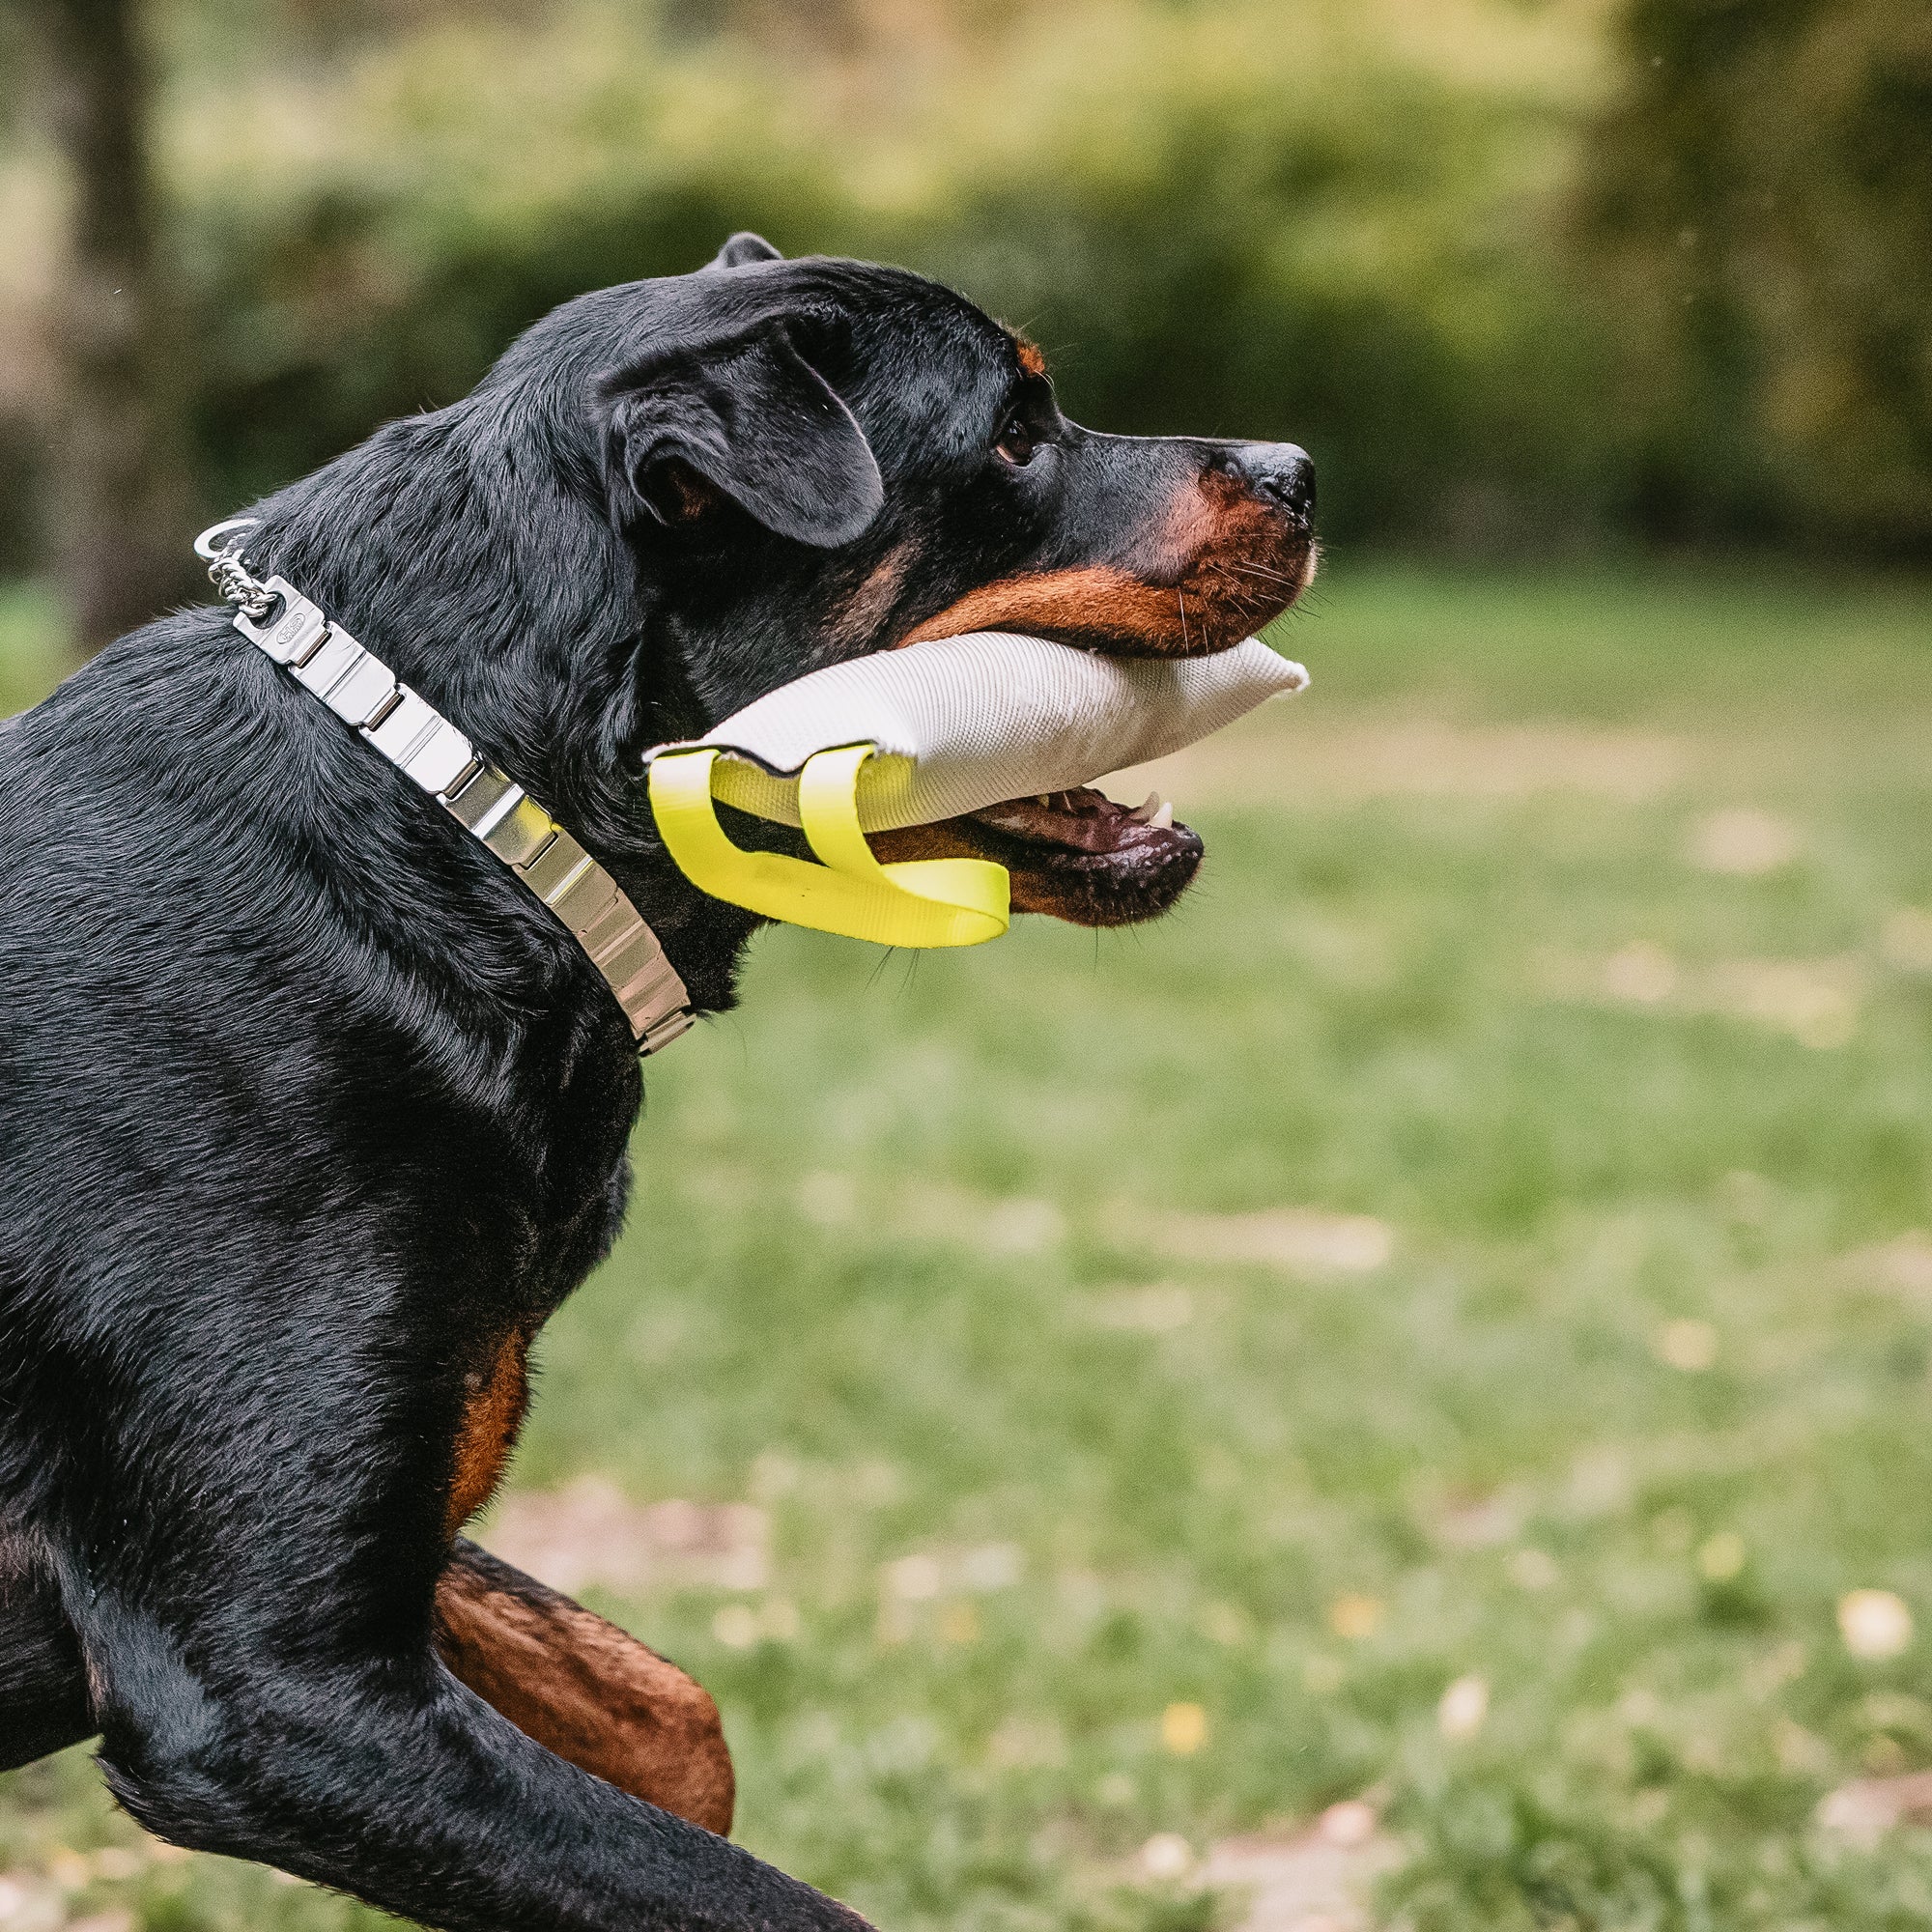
(1081, 856)
(1077, 855)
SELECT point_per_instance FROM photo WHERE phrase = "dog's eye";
(1017, 442)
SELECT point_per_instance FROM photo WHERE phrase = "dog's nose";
(1281, 471)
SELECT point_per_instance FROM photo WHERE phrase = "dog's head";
(770, 465)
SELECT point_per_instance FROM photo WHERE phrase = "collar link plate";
(487, 803)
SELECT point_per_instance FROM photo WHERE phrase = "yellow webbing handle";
(914, 902)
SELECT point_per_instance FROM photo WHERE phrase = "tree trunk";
(122, 503)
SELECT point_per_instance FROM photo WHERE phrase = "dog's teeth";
(1165, 815)
(1144, 809)
(1042, 799)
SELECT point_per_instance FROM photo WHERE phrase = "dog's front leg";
(561, 1674)
(249, 1724)
(583, 1687)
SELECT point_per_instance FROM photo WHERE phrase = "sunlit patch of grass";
(1435, 1378)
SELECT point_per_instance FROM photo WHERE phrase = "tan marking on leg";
(583, 1688)
(493, 1414)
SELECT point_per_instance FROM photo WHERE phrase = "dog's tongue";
(1081, 821)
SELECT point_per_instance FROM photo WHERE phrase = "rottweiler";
(311, 1114)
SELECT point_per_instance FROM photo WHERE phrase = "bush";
(1505, 304)
(1226, 218)
(1761, 199)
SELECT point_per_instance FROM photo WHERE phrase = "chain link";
(221, 545)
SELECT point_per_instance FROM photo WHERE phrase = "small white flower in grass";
(1465, 1706)
(736, 1625)
(1295, 1239)
(1688, 1345)
(1799, 1752)
(914, 1580)
(1903, 1265)
(1157, 1309)
(773, 1474)
(1023, 1741)
(1534, 1568)
(1744, 843)
(1348, 1823)
(1167, 1854)
(992, 1566)
(1875, 1624)
(1021, 1227)
(1816, 1000)
(1640, 975)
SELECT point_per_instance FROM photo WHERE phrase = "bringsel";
(913, 736)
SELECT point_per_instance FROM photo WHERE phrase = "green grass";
(933, 1257)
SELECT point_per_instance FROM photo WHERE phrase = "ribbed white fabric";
(976, 719)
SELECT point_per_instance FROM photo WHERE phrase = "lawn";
(1443, 1321)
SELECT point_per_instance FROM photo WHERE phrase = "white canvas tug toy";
(910, 737)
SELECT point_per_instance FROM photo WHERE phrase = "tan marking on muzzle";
(1094, 604)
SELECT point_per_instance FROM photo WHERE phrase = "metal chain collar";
(420, 741)
(229, 574)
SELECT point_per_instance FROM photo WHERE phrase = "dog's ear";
(745, 246)
(748, 417)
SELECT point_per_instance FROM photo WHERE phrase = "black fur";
(305, 1105)
(43, 1682)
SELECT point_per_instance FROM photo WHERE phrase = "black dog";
(310, 1114)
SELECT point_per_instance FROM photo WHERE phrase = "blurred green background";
(1525, 275)
(1398, 1396)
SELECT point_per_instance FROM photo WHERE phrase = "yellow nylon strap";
(914, 902)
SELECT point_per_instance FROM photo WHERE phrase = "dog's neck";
(497, 588)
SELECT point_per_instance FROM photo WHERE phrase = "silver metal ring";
(204, 544)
